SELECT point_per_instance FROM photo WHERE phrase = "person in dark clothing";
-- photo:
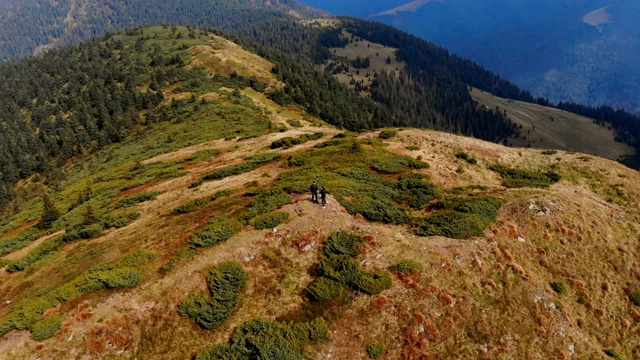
(314, 192)
(323, 196)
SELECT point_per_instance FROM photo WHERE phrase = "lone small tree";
(49, 212)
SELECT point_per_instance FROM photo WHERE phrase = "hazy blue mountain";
(582, 51)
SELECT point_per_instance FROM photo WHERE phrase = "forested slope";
(28, 26)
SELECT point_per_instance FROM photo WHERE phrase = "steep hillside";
(196, 237)
(32, 27)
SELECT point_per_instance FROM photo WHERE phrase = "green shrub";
(288, 141)
(229, 171)
(374, 283)
(549, 152)
(36, 254)
(387, 166)
(225, 282)
(83, 232)
(208, 313)
(406, 266)
(485, 208)
(324, 289)
(221, 194)
(451, 224)
(612, 353)
(137, 258)
(269, 220)
(419, 164)
(558, 287)
(228, 277)
(217, 230)
(294, 123)
(266, 202)
(558, 305)
(635, 298)
(196, 183)
(261, 339)
(120, 277)
(412, 148)
(466, 157)
(118, 221)
(263, 158)
(387, 134)
(375, 210)
(342, 243)
(415, 192)
(136, 199)
(515, 178)
(190, 206)
(45, 328)
(341, 268)
(375, 350)
(202, 155)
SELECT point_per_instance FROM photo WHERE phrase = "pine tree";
(49, 212)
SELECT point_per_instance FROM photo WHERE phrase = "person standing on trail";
(314, 192)
(323, 196)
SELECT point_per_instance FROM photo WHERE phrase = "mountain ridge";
(454, 247)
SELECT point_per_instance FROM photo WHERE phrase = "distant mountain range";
(578, 51)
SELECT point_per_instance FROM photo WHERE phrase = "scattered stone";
(420, 329)
(8, 302)
(275, 230)
(307, 248)
(521, 239)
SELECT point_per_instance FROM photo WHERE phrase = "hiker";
(323, 196)
(314, 192)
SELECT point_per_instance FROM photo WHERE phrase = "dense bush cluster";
(217, 230)
(406, 266)
(252, 163)
(288, 141)
(375, 350)
(118, 221)
(459, 218)
(558, 287)
(466, 157)
(136, 199)
(225, 282)
(387, 134)
(268, 220)
(190, 206)
(516, 178)
(262, 339)
(338, 270)
(45, 328)
(229, 171)
(415, 192)
(266, 202)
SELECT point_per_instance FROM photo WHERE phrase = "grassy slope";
(488, 297)
(549, 128)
